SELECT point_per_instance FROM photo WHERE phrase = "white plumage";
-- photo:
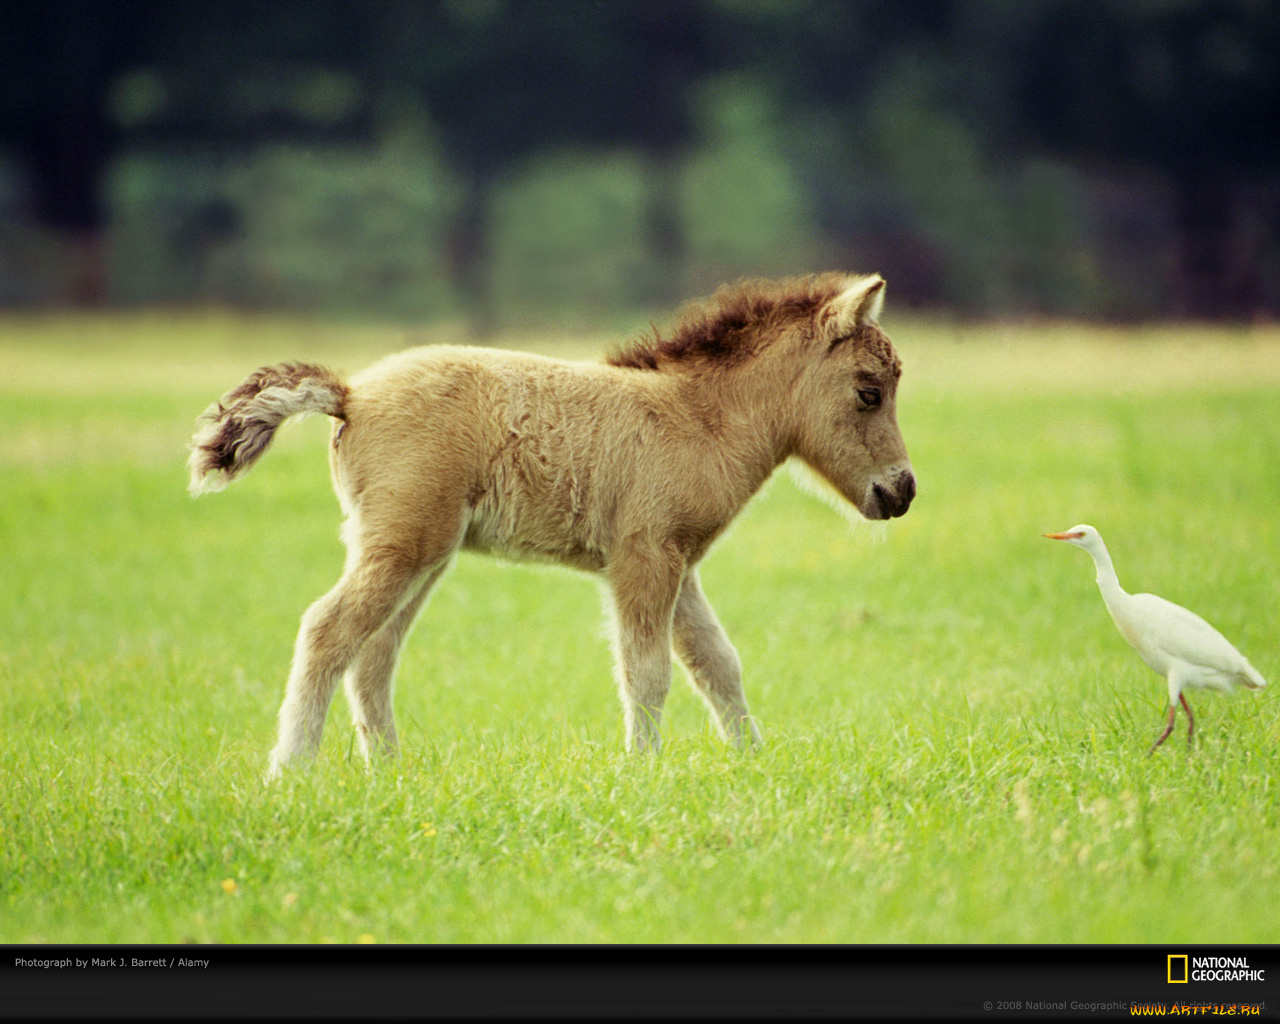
(1175, 642)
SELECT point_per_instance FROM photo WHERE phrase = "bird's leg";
(1191, 722)
(1173, 710)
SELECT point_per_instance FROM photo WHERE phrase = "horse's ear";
(858, 304)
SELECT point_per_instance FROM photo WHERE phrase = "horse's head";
(846, 426)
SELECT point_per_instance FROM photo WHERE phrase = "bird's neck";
(1108, 582)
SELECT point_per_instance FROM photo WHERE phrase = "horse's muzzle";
(893, 501)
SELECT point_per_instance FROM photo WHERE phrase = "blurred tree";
(674, 51)
(504, 79)
(866, 89)
(56, 63)
(918, 128)
(1186, 90)
(81, 79)
(1189, 88)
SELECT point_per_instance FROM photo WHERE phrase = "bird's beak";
(1063, 536)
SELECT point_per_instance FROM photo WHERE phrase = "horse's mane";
(727, 327)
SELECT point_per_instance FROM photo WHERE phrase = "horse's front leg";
(712, 662)
(645, 580)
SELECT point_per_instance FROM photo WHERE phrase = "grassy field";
(955, 733)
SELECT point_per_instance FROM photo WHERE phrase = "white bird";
(1175, 642)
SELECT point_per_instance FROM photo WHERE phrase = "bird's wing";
(1182, 634)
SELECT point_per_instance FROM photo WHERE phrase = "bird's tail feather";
(1252, 678)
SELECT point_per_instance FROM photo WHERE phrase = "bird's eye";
(870, 397)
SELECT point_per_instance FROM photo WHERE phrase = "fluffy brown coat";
(629, 468)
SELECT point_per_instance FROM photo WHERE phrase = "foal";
(629, 468)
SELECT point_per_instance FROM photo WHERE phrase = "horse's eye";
(870, 397)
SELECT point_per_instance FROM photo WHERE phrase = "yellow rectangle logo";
(1182, 957)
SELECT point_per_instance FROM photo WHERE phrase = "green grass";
(955, 734)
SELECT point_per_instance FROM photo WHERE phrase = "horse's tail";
(232, 433)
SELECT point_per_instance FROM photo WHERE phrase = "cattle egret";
(1176, 643)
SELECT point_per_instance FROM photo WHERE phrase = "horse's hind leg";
(332, 632)
(384, 569)
(713, 664)
(370, 677)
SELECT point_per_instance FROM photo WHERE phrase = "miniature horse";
(629, 468)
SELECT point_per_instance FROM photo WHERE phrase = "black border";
(409, 982)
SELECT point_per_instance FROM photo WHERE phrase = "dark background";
(503, 162)
(908, 983)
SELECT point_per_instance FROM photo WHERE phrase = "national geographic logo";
(1183, 968)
